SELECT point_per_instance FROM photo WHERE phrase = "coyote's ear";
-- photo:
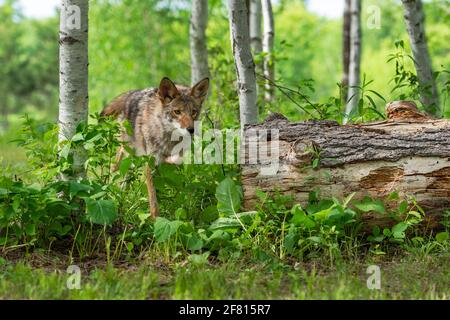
(200, 90)
(167, 90)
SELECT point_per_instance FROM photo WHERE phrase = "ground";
(43, 276)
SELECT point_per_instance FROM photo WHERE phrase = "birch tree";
(73, 83)
(355, 59)
(199, 52)
(245, 66)
(345, 49)
(415, 24)
(256, 30)
(269, 34)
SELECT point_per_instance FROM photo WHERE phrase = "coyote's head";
(182, 106)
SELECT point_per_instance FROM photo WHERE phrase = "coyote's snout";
(154, 115)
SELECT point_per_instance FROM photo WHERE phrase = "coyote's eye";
(177, 112)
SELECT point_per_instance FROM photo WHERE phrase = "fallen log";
(409, 153)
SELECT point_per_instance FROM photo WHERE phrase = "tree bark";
(256, 33)
(409, 153)
(245, 66)
(73, 55)
(199, 51)
(256, 26)
(415, 23)
(355, 60)
(269, 35)
(345, 50)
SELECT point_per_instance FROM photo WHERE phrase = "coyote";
(154, 114)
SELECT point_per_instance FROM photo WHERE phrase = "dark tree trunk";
(345, 50)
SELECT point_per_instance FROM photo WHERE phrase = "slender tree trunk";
(256, 30)
(355, 60)
(245, 66)
(269, 64)
(415, 23)
(73, 57)
(255, 21)
(345, 50)
(199, 51)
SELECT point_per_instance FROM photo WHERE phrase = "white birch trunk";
(255, 16)
(245, 66)
(269, 64)
(415, 23)
(199, 51)
(73, 57)
(256, 29)
(355, 60)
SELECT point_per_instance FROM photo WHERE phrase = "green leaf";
(315, 163)
(65, 150)
(398, 231)
(142, 218)
(323, 214)
(403, 207)
(299, 217)
(377, 94)
(315, 239)
(125, 165)
(199, 259)
(225, 223)
(75, 188)
(164, 229)
(181, 214)
(101, 211)
(368, 204)
(229, 197)
(442, 237)
(209, 214)
(30, 229)
(194, 242)
(78, 137)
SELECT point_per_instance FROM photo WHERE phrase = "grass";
(405, 277)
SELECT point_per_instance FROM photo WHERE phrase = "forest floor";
(43, 276)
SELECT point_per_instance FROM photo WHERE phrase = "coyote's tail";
(115, 107)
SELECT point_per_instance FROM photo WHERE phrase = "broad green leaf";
(76, 187)
(323, 214)
(368, 204)
(442, 237)
(124, 166)
(164, 229)
(398, 231)
(299, 217)
(229, 197)
(194, 242)
(101, 211)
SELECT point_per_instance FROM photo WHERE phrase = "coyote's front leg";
(119, 156)
(152, 201)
